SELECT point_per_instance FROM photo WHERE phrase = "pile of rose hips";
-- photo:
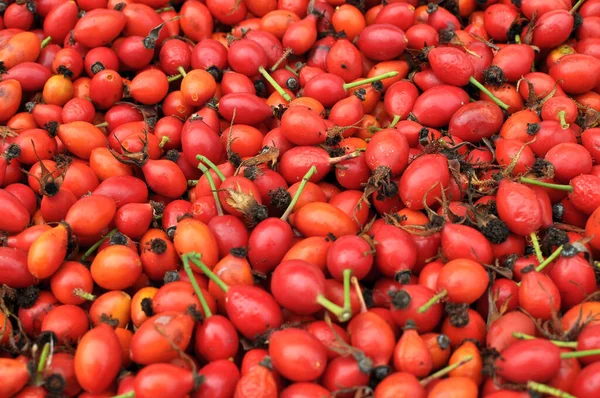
(300, 198)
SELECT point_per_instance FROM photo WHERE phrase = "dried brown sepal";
(252, 211)
(268, 155)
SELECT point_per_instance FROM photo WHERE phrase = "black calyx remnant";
(158, 246)
(495, 230)
(51, 127)
(55, 384)
(494, 76)
(577, 21)
(403, 277)
(558, 211)
(400, 299)
(97, 67)
(260, 87)
(239, 252)
(569, 250)
(146, 305)
(63, 70)
(118, 239)
(27, 297)
(458, 314)
(216, 73)
(554, 237)
(280, 198)
(171, 276)
(533, 128)
(292, 83)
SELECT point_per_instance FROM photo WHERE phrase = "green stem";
(576, 7)
(100, 125)
(580, 354)
(210, 164)
(563, 122)
(383, 76)
(83, 294)
(158, 11)
(192, 183)
(43, 358)
(174, 77)
(488, 93)
(536, 247)
(42, 362)
(395, 121)
(181, 71)
(192, 278)
(558, 187)
(275, 85)
(46, 41)
(163, 141)
(341, 313)
(130, 394)
(296, 197)
(194, 258)
(563, 344)
(96, 245)
(213, 187)
(446, 370)
(551, 258)
(432, 301)
(547, 390)
(518, 39)
(289, 68)
(286, 53)
(347, 275)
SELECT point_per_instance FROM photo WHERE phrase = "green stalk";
(340, 313)
(289, 68)
(563, 344)
(130, 394)
(432, 301)
(558, 187)
(83, 294)
(536, 247)
(551, 258)
(275, 85)
(547, 390)
(213, 187)
(42, 362)
(190, 274)
(174, 77)
(576, 7)
(46, 41)
(347, 274)
(580, 354)
(100, 125)
(395, 121)
(194, 258)
(446, 370)
(296, 197)
(383, 76)
(96, 245)
(163, 141)
(210, 164)
(496, 100)
(181, 71)
(563, 122)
